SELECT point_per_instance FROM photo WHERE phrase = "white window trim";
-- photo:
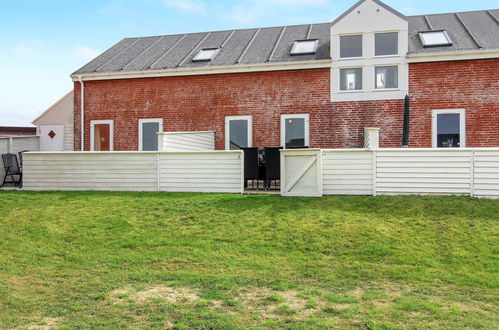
(227, 127)
(374, 44)
(462, 125)
(387, 88)
(295, 45)
(362, 90)
(291, 116)
(351, 57)
(111, 132)
(148, 120)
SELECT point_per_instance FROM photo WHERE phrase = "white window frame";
(148, 120)
(111, 132)
(374, 44)
(361, 43)
(249, 119)
(462, 125)
(305, 116)
(350, 90)
(297, 42)
(387, 88)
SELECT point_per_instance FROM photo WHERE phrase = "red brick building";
(315, 85)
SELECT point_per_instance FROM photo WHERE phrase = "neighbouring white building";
(55, 125)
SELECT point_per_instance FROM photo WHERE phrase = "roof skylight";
(206, 54)
(301, 47)
(435, 38)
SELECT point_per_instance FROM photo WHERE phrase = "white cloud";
(23, 49)
(86, 53)
(188, 6)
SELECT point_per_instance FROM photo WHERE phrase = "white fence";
(464, 171)
(210, 171)
(16, 144)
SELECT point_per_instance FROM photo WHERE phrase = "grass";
(158, 260)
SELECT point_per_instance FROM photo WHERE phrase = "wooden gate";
(301, 173)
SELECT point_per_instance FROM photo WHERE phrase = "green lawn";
(159, 260)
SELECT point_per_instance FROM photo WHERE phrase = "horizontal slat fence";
(15, 145)
(213, 171)
(459, 171)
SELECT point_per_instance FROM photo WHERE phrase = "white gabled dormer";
(369, 44)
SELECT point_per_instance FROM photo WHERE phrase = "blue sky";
(43, 41)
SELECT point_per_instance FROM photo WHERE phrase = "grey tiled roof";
(468, 31)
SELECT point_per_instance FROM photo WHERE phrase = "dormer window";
(435, 38)
(302, 47)
(206, 54)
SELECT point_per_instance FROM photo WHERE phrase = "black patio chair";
(12, 170)
(20, 153)
(272, 165)
(250, 165)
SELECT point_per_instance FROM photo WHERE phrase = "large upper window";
(302, 47)
(148, 133)
(351, 79)
(294, 131)
(435, 38)
(386, 44)
(351, 46)
(386, 77)
(238, 132)
(101, 135)
(448, 128)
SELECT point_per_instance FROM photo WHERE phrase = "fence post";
(472, 173)
(158, 170)
(11, 145)
(374, 169)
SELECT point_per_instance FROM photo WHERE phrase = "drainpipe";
(82, 114)
(405, 130)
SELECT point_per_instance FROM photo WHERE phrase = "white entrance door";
(51, 137)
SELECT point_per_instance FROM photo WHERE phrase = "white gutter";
(82, 113)
(238, 68)
(453, 55)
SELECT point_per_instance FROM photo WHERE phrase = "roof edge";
(190, 71)
(52, 106)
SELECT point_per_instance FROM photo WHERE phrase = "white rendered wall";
(367, 19)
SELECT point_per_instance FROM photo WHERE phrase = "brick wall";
(201, 103)
(198, 103)
(472, 85)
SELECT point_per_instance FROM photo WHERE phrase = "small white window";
(302, 47)
(435, 38)
(386, 43)
(351, 46)
(148, 133)
(386, 77)
(295, 131)
(101, 135)
(206, 54)
(351, 79)
(238, 132)
(449, 128)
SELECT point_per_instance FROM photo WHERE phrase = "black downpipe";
(405, 130)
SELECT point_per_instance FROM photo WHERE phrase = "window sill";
(386, 90)
(352, 91)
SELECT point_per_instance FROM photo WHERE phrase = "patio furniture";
(12, 170)
(250, 165)
(20, 153)
(272, 165)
